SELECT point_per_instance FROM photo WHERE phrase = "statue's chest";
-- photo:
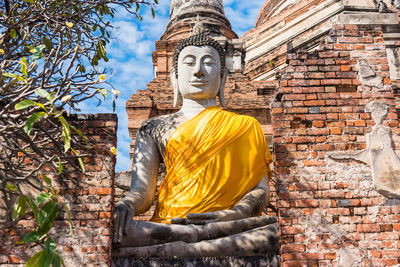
(162, 129)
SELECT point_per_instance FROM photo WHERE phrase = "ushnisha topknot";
(200, 37)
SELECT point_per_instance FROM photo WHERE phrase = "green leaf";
(45, 259)
(32, 237)
(82, 69)
(95, 61)
(66, 133)
(69, 218)
(79, 160)
(137, 6)
(43, 93)
(47, 42)
(11, 75)
(139, 17)
(31, 121)
(24, 66)
(47, 179)
(11, 187)
(79, 133)
(24, 104)
(60, 166)
(47, 215)
(57, 260)
(40, 105)
(50, 246)
(13, 33)
(30, 1)
(42, 198)
(101, 50)
(34, 260)
(156, 1)
(153, 14)
(15, 76)
(19, 208)
(34, 208)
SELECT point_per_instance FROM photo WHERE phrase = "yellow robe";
(212, 161)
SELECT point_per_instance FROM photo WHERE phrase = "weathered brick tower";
(331, 58)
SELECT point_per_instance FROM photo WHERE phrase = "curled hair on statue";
(200, 39)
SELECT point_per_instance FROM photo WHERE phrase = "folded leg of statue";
(245, 237)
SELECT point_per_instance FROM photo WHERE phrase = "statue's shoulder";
(157, 125)
(246, 118)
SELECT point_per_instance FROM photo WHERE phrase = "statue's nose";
(198, 71)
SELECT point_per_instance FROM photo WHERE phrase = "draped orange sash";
(212, 161)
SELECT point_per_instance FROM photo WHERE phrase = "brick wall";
(89, 196)
(329, 212)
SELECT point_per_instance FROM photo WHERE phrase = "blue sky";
(130, 58)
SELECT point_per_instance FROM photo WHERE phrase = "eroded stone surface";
(379, 154)
(178, 7)
(367, 75)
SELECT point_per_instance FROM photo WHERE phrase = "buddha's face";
(199, 75)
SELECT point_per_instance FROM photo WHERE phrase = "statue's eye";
(208, 62)
(189, 61)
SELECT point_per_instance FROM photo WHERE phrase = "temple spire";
(186, 12)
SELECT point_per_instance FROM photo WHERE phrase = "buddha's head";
(199, 70)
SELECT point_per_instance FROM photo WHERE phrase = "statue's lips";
(199, 83)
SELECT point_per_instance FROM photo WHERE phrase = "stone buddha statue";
(217, 163)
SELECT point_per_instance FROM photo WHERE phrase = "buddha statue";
(217, 170)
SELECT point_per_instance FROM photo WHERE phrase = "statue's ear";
(177, 94)
(221, 93)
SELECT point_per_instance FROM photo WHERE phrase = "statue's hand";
(123, 214)
(208, 217)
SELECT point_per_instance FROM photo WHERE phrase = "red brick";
(330, 256)
(335, 131)
(331, 81)
(295, 264)
(305, 139)
(318, 131)
(318, 124)
(14, 259)
(100, 191)
(306, 203)
(322, 147)
(291, 230)
(293, 248)
(297, 110)
(295, 97)
(277, 110)
(338, 211)
(332, 116)
(105, 215)
(388, 236)
(368, 228)
(345, 67)
(314, 103)
(314, 162)
(328, 54)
